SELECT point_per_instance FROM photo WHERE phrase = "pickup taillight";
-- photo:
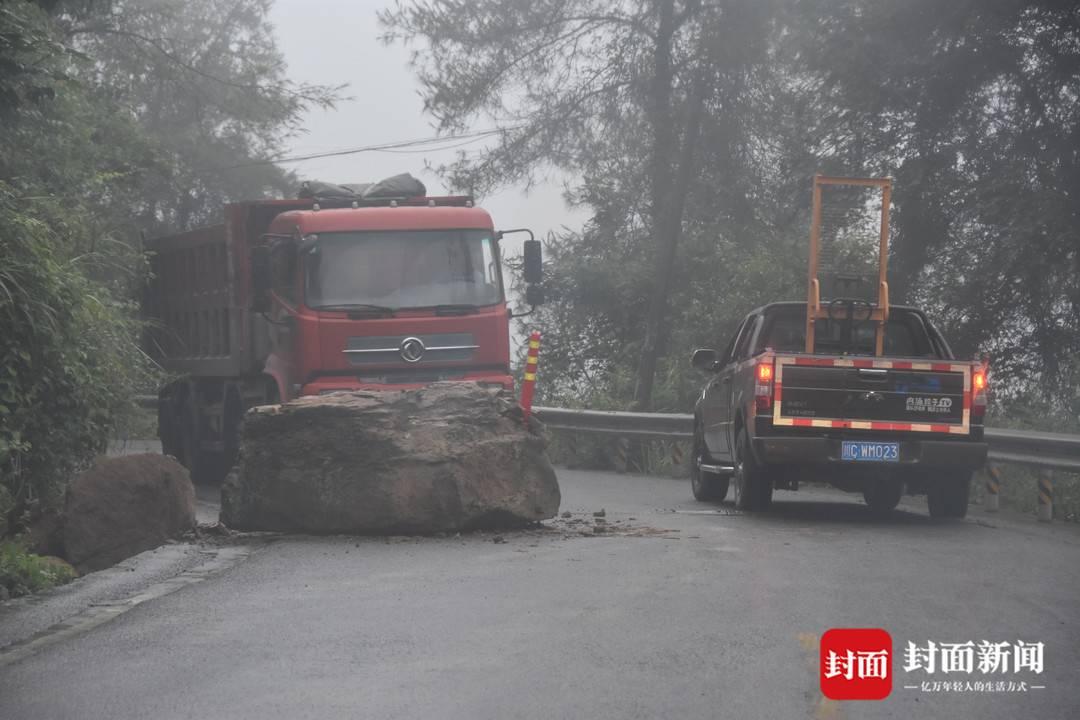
(979, 391)
(763, 386)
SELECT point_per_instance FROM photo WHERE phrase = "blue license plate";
(870, 451)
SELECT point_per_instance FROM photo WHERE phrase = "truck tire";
(753, 486)
(201, 464)
(947, 496)
(232, 419)
(706, 487)
(168, 432)
(884, 494)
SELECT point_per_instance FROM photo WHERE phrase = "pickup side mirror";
(260, 278)
(533, 267)
(705, 359)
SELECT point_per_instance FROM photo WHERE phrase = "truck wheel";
(199, 462)
(706, 487)
(883, 495)
(753, 486)
(232, 419)
(171, 444)
(947, 497)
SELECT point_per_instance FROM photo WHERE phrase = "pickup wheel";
(753, 486)
(706, 486)
(884, 494)
(947, 496)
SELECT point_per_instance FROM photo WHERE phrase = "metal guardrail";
(644, 426)
(1023, 447)
(1040, 449)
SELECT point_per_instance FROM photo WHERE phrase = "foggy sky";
(336, 41)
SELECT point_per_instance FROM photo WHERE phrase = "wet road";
(679, 609)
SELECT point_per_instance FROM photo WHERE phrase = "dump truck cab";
(383, 297)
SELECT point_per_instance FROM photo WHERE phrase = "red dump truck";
(298, 297)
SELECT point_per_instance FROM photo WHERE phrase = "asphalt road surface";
(677, 610)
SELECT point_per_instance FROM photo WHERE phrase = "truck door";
(282, 329)
(736, 380)
(716, 402)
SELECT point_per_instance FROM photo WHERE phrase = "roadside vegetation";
(22, 572)
(118, 119)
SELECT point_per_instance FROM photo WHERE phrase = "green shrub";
(69, 364)
(22, 572)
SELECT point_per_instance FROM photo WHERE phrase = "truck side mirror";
(705, 359)
(534, 295)
(533, 270)
(260, 278)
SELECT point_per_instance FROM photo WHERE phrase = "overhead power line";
(427, 144)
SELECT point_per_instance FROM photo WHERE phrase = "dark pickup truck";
(772, 415)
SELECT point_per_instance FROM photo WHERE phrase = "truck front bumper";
(324, 385)
(914, 452)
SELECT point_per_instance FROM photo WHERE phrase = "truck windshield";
(403, 269)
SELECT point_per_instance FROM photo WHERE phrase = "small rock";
(216, 529)
(498, 539)
(600, 513)
(567, 514)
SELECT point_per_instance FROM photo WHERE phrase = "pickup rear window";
(905, 335)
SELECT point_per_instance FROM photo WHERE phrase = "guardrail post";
(572, 452)
(622, 454)
(993, 487)
(676, 458)
(1046, 495)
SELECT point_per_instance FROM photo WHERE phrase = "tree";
(114, 118)
(205, 83)
(567, 82)
(974, 107)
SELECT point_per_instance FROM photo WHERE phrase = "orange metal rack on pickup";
(814, 310)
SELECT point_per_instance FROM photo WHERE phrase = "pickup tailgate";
(872, 394)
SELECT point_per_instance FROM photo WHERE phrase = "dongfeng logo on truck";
(929, 404)
(412, 349)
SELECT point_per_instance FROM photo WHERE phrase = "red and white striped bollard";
(528, 387)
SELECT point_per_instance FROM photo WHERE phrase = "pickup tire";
(883, 495)
(753, 486)
(947, 496)
(706, 487)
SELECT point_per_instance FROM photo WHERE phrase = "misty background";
(336, 42)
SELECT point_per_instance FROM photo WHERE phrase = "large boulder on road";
(450, 456)
(122, 506)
